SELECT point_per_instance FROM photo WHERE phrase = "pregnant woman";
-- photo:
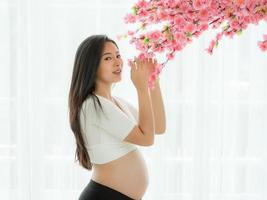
(107, 128)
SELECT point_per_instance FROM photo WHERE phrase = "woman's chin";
(118, 78)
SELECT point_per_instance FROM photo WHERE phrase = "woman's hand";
(140, 73)
(151, 65)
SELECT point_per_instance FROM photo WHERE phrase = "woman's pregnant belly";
(127, 174)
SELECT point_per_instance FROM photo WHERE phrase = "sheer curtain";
(215, 145)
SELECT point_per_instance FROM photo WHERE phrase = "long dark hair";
(83, 84)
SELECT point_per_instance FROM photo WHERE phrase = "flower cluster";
(179, 21)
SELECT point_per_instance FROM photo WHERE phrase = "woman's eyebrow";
(110, 53)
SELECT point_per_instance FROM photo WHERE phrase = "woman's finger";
(134, 64)
(141, 63)
(137, 61)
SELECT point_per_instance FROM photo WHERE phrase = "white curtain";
(215, 145)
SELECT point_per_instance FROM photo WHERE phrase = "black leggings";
(97, 191)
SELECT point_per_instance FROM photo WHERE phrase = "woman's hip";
(98, 191)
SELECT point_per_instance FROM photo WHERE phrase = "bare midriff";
(127, 174)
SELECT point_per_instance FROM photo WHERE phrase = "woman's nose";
(119, 61)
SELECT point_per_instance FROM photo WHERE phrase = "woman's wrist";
(157, 79)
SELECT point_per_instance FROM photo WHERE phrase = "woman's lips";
(118, 72)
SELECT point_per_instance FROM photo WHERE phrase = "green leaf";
(135, 9)
(239, 32)
(226, 27)
(170, 37)
(166, 29)
(146, 40)
(188, 34)
(216, 44)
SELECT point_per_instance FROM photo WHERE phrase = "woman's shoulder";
(88, 100)
(89, 108)
(88, 104)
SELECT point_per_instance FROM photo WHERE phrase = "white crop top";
(104, 133)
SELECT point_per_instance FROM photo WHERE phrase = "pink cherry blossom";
(190, 28)
(155, 35)
(131, 32)
(130, 18)
(170, 56)
(203, 15)
(178, 22)
(201, 4)
(142, 4)
(263, 45)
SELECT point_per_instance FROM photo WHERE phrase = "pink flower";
(239, 2)
(155, 35)
(197, 34)
(170, 56)
(131, 32)
(152, 80)
(234, 24)
(201, 4)
(130, 18)
(139, 45)
(203, 27)
(141, 56)
(143, 13)
(218, 36)
(159, 49)
(190, 28)
(246, 19)
(153, 77)
(142, 4)
(263, 45)
(178, 36)
(178, 47)
(132, 41)
(162, 15)
(181, 21)
(152, 18)
(204, 14)
(210, 49)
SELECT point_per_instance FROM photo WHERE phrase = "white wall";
(215, 146)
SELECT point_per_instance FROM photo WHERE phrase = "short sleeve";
(111, 120)
(132, 109)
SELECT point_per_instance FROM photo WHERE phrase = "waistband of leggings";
(101, 186)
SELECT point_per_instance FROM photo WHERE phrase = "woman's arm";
(146, 121)
(158, 109)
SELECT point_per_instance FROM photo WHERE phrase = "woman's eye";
(118, 56)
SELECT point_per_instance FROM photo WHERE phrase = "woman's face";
(110, 62)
